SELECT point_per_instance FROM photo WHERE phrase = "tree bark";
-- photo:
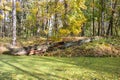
(65, 14)
(14, 22)
(93, 19)
(110, 27)
(55, 18)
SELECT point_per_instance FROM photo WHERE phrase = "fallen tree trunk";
(63, 45)
(41, 49)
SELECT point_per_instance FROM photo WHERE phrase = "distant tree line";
(58, 18)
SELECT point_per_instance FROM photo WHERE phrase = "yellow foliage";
(29, 17)
(34, 11)
(76, 32)
(92, 5)
(64, 32)
(46, 32)
(56, 38)
(81, 4)
(18, 9)
(1, 17)
(18, 4)
(6, 8)
(4, 5)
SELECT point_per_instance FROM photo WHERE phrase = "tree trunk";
(83, 30)
(99, 26)
(65, 13)
(110, 27)
(102, 17)
(93, 19)
(55, 19)
(14, 22)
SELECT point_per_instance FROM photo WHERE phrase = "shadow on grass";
(7, 53)
(35, 75)
(22, 70)
(96, 64)
(5, 76)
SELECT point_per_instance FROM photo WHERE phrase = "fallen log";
(41, 49)
(63, 45)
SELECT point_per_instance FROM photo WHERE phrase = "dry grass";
(72, 38)
(88, 49)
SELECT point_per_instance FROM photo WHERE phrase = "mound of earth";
(88, 49)
(69, 47)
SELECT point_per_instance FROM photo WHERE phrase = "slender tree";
(14, 22)
(93, 18)
(110, 28)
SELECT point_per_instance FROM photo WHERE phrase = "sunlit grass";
(54, 68)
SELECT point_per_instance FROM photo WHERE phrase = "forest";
(59, 39)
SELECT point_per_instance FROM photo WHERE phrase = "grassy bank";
(54, 68)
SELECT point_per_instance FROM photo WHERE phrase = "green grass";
(55, 68)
